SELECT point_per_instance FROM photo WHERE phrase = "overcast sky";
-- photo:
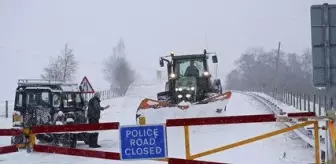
(32, 31)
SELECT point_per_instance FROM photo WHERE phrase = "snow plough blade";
(153, 111)
(217, 97)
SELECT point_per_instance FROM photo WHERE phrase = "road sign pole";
(327, 44)
(330, 152)
(323, 31)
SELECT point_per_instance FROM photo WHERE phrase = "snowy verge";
(290, 109)
(303, 133)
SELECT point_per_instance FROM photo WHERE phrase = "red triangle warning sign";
(86, 85)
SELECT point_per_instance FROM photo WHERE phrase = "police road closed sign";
(143, 142)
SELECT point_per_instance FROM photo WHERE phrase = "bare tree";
(63, 68)
(53, 71)
(256, 69)
(118, 71)
(307, 62)
(233, 80)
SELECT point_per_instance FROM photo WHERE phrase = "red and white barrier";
(180, 161)
(9, 132)
(75, 128)
(236, 119)
(8, 149)
(77, 152)
(302, 114)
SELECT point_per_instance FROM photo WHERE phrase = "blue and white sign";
(143, 142)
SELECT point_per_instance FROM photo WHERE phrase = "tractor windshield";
(189, 67)
(186, 82)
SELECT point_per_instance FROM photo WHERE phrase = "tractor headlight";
(206, 73)
(172, 75)
(191, 88)
(178, 89)
(188, 95)
(179, 96)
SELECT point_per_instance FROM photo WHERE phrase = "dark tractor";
(189, 78)
(44, 102)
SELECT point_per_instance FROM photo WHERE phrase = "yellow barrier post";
(332, 134)
(317, 142)
(330, 141)
(30, 139)
(142, 120)
(187, 142)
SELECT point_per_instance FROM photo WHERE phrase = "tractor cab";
(190, 65)
(188, 77)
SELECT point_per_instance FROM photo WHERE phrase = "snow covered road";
(203, 138)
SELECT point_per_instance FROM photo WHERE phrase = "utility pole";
(276, 73)
(276, 66)
(277, 62)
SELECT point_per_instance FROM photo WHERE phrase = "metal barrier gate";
(304, 118)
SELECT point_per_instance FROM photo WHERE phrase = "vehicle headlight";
(179, 89)
(206, 73)
(172, 75)
(179, 96)
(192, 88)
(188, 95)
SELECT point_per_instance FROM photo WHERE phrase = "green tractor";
(189, 83)
(189, 78)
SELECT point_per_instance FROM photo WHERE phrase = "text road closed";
(143, 142)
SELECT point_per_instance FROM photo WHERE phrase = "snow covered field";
(202, 137)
